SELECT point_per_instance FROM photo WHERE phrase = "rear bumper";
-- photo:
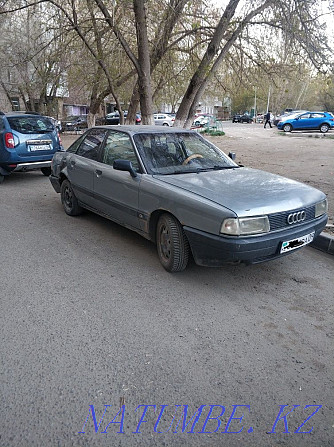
(32, 165)
(213, 251)
(6, 169)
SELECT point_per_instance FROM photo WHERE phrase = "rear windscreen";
(31, 124)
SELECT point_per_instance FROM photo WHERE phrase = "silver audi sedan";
(180, 191)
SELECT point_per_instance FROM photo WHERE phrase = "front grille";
(280, 220)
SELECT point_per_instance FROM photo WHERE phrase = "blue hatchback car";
(322, 121)
(27, 141)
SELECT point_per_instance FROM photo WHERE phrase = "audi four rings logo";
(296, 217)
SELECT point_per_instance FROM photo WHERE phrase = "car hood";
(246, 191)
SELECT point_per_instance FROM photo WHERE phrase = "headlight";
(321, 208)
(245, 225)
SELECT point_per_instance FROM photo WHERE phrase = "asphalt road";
(89, 318)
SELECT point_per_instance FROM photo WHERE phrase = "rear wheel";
(287, 128)
(324, 128)
(2, 178)
(46, 171)
(172, 244)
(68, 199)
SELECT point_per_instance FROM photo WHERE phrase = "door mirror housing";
(125, 165)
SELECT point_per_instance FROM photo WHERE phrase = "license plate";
(296, 243)
(39, 147)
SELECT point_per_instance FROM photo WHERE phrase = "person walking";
(267, 119)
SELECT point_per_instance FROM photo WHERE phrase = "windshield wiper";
(218, 168)
(197, 170)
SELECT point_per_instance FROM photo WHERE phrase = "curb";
(324, 242)
(308, 135)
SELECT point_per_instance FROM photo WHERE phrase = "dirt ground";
(306, 157)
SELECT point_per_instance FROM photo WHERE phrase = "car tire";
(324, 128)
(2, 178)
(68, 199)
(287, 128)
(46, 171)
(172, 244)
(165, 124)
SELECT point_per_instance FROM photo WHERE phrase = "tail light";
(9, 140)
(59, 139)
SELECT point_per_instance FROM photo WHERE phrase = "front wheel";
(324, 128)
(172, 244)
(46, 171)
(287, 128)
(68, 199)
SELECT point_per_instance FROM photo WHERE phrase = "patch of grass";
(213, 133)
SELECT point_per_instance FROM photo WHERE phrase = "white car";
(163, 119)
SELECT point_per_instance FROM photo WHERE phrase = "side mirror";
(125, 165)
(232, 155)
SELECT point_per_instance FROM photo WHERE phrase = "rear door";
(317, 119)
(82, 164)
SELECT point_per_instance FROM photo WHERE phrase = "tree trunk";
(91, 119)
(204, 67)
(133, 107)
(144, 74)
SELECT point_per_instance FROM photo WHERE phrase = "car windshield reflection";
(179, 153)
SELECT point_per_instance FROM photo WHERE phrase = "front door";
(116, 192)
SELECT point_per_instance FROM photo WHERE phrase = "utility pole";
(255, 114)
(268, 99)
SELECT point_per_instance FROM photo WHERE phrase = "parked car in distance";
(163, 119)
(27, 141)
(286, 115)
(242, 118)
(74, 122)
(113, 118)
(202, 120)
(177, 189)
(322, 121)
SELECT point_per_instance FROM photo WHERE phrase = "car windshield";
(31, 124)
(179, 153)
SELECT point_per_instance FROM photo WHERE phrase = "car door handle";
(98, 172)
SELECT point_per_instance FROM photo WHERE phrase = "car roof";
(16, 114)
(135, 129)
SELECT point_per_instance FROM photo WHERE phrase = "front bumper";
(213, 251)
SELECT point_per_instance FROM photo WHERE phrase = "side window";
(89, 147)
(2, 124)
(305, 116)
(118, 146)
(317, 115)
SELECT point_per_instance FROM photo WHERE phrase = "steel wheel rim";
(165, 242)
(68, 197)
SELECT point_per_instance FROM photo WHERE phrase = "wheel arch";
(153, 221)
(326, 125)
(62, 177)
